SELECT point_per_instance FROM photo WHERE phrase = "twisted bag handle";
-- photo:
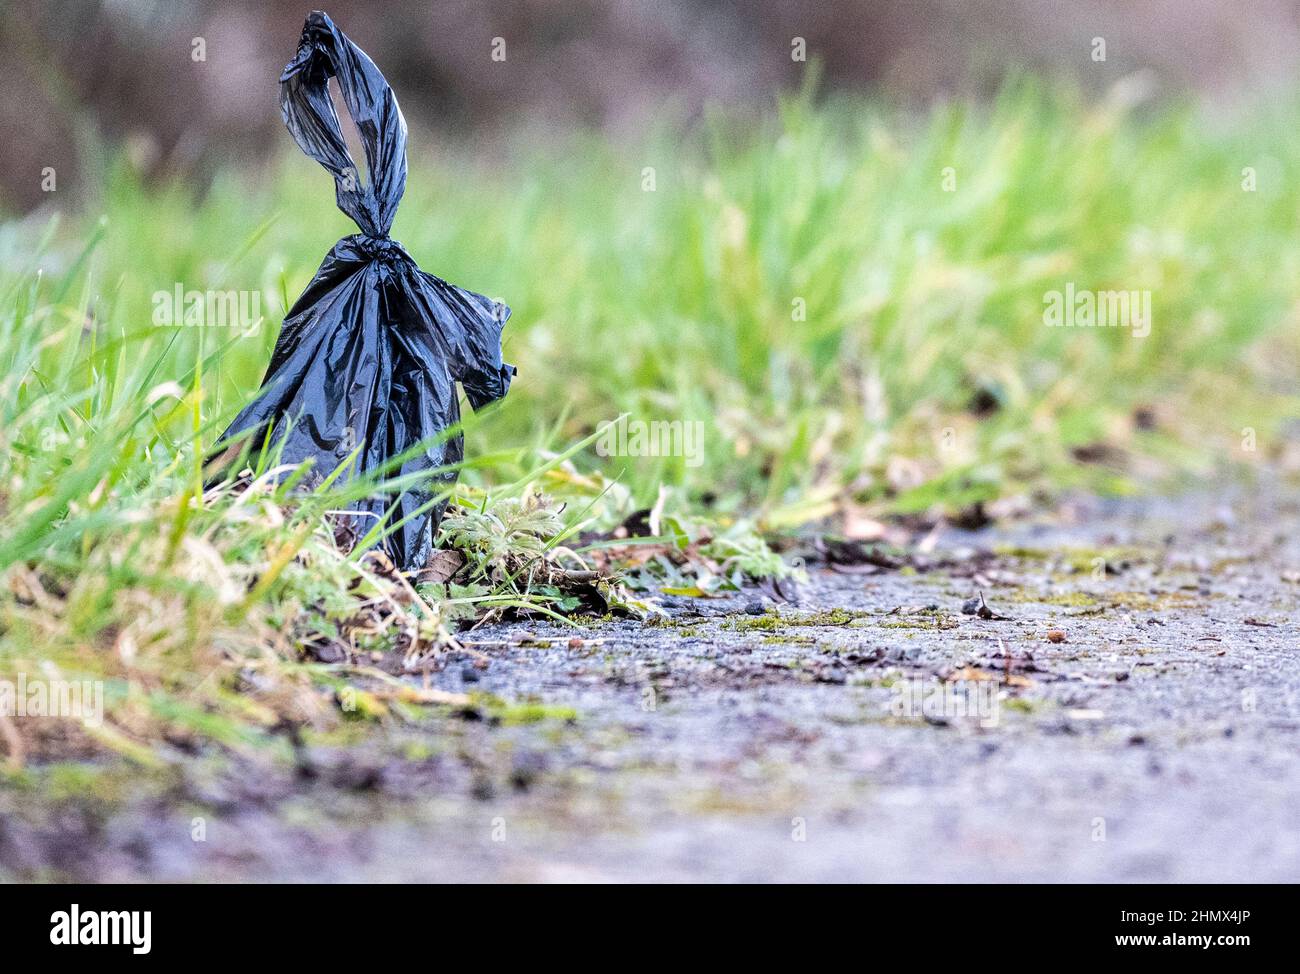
(325, 52)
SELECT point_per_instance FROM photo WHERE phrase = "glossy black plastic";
(370, 354)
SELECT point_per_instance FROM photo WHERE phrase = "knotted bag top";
(325, 52)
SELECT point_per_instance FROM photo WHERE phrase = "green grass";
(806, 288)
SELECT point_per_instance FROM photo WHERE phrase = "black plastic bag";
(370, 353)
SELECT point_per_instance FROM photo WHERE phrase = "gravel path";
(867, 730)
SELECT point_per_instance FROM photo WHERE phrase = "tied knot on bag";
(384, 249)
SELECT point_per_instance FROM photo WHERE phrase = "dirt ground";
(1134, 717)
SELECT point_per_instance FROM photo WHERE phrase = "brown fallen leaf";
(442, 566)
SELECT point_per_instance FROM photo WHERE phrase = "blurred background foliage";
(800, 278)
(82, 74)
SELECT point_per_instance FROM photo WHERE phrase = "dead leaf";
(442, 567)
